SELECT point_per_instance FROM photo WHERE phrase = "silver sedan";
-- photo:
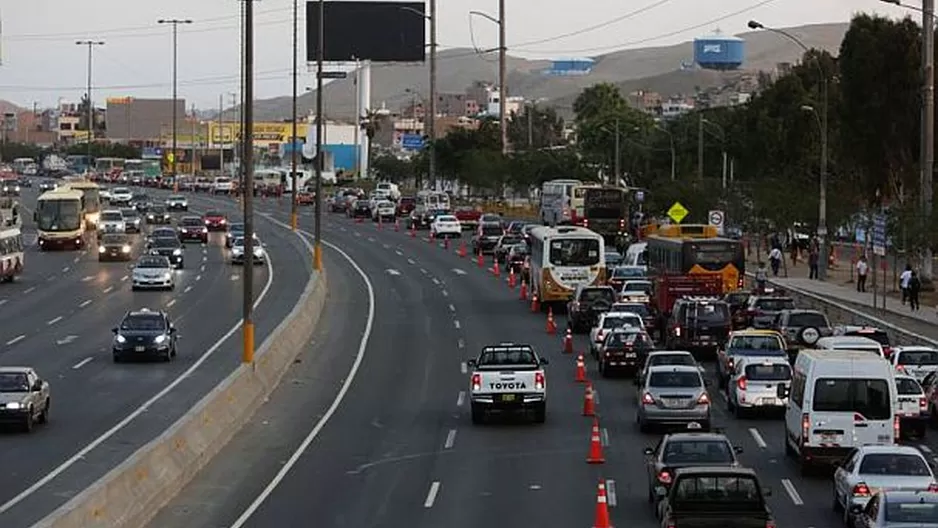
(673, 395)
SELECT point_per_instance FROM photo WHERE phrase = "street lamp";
(172, 162)
(673, 152)
(431, 123)
(822, 193)
(90, 44)
(502, 70)
(247, 190)
(320, 58)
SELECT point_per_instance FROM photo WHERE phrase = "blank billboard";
(385, 31)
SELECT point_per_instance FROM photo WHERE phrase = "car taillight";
(586, 222)
(923, 404)
(900, 368)
(677, 331)
(805, 427)
(600, 336)
(664, 477)
(741, 383)
(739, 285)
(895, 429)
(704, 399)
(861, 490)
(539, 381)
(933, 488)
(647, 399)
(769, 524)
(476, 382)
(887, 351)
(730, 363)
(622, 223)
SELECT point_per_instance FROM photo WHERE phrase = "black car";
(113, 247)
(624, 350)
(141, 202)
(360, 210)
(131, 220)
(193, 228)
(235, 230)
(587, 303)
(170, 248)
(679, 450)
(161, 232)
(703, 497)
(698, 324)
(144, 334)
(487, 237)
(157, 214)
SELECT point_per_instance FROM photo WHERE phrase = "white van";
(222, 185)
(636, 255)
(862, 344)
(839, 399)
(391, 190)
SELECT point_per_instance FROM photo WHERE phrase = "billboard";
(264, 133)
(388, 31)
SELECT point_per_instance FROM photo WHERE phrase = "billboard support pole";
(358, 117)
(247, 160)
(294, 218)
(502, 77)
(317, 250)
(431, 123)
(364, 81)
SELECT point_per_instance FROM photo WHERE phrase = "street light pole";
(431, 124)
(502, 77)
(294, 217)
(673, 152)
(175, 23)
(90, 44)
(822, 192)
(247, 191)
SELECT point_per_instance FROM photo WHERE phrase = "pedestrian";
(915, 285)
(813, 257)
(762, 275)
(904, 282)
(775, 260)
(794, 252)
(862, 270)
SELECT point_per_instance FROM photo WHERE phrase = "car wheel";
(44, 415)
(28, 422)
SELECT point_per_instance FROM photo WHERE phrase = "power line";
(601, 25)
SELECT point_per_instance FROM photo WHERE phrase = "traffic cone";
(524, 290)
(535, 304)
(397, 224)
(589, 404)
(480, 259)
(462, 249)
(413, 230)
(596, 446)
(446, 243)
(568, 342)
(602, 508)
(551, 325)
(495, 269)
(512, 280)
(432, 238)
(580, 370)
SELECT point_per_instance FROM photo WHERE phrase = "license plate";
(769, 401)
(139, 349)
(673, 402)
(630, 355)
(829, 437)
(508, 397)
(693, 425)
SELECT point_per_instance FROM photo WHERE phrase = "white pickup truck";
(508, 377)
(112, 221)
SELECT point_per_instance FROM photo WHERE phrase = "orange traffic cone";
(397, 224)
(413, 230)
(535, 304)
(580, 369)
(495, 269)
(524, 290)
(431, 238)
(596, 446)
(462, 250)
(568, 342)
(480, 259)
(602, 508)
(551, 325)
(512, 280)
(589, 404)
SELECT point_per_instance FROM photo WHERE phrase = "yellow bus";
(58, 217)
(680, 231)
(91, 203)
(563, 258)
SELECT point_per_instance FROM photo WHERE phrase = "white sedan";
(446, 226)
(608, 322)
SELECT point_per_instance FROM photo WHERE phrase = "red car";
(468, 216)
(215, 221)
(305, 198)
(406, 205)
(192, 228)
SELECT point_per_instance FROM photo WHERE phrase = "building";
(27, 127)
(139, 121)
(67, 128)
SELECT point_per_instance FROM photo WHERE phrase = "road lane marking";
(76, 259)
(456, 324)
(349, 379)
(436, 281)
(30, 289)
(463, 368)
(2, 302)
(82, 363)
(461, 399)
(170, 303)
(611, 493)
(392, 272)
(204, 259)
(450, 439)
(605, 437)
(399, 253)
(371, 239)
(792, 492)
(16, 340)
(452, 308)
(65, 269)
(68, 339)
(423, 271)
(84, 303)
(757, 437)
(461, 344)
(445, 293)
(202, 268)
(595, 396)
(387, 246)
(187, 290)
(235, 277)
(925, 448)
(458, 271)
(124, 278)
(109, 289)
(51, 322)
(198, 277)
(87, 278)
(431, 495)
(411, 262)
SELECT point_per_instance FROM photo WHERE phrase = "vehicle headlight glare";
(101, 249)
(14, 405)
(121, 339)
(177, 252)
(125, 248)
(167, 276)
(160, 339)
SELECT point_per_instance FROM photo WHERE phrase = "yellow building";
(265, 134)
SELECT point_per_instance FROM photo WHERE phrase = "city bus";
(556, 201)
(578, 202)
(605, 210)
(563, 258)
(91, 203)
(58, 217)
(698, 256)
(12, 257)
(149, 168)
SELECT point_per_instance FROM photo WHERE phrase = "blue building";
(570, 67)
(719, 52)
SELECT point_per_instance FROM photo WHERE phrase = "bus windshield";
(604, 203)
(713, 253)
(574, 252)
(58, 215)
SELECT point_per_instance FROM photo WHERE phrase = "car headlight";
(177, 252)
(160, 339)
(16, 189)
(184, 230)
(205, 230)
(150, 216)
(101, 249)
(14, 405)
(258, 252)
(121, 339)
(223, 221)
(206, 222)
(125, 248)
(167, 276)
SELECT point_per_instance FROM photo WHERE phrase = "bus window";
(574, 252)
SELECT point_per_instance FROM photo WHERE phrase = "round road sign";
(716, 218)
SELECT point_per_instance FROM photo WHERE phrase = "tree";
(535, 127)
(597, 101)
(391, 168)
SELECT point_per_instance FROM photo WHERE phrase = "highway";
(60, 313)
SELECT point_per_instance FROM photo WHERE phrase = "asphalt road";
(59, 314)
(401, 450)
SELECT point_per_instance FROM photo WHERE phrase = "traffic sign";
(333, 75)
(716, 218)
(412, 141)
(639, 196)
(879, 234)
(170, 157)
(677, 212)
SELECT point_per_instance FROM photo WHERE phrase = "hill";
(653, 69)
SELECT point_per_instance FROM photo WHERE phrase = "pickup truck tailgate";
(719, 520)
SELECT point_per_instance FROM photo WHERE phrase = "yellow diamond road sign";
(677, 212)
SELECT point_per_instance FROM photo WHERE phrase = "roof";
(663, 352)
(720, 470)
(890, 449)
(914, 348)
(144, 311)
(849, 340)
(840, 355)
(910, 496)
(754, 332)
(674, 368)
(60, 193)
(15, 370)
(695, 436)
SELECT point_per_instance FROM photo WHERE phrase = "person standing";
(904, 282)
(862, 270)
(813, 257)
(915, 286)
(762, 275)
(775, 260)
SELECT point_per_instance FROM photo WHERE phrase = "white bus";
(59, 219)
(12, 257)
(563, 258)
(556, 201)
(429, 201)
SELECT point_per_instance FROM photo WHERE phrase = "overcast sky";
(42, 63)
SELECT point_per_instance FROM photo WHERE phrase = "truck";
(706, 497)
(508, 377)
(669, 288)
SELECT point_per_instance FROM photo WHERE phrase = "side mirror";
(114, 330)
(545, 361)
(766, 492)
(648, 451)
(37, 386)
(35, 216)
(660, 492)
(856, 509)
(781, 391)
(738, 449)
(172, 330)
(471, 363)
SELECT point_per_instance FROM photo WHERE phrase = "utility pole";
(700, 148)
(195, 124)
(617, 163)
(241, 124)
(175, 23)
(320, 57)
(928, 124)
(530, 113)
(90, 110)
(221, 133)
(294, 217)
(431, 124)
(502, 76)
(247, 144)
(234, 151)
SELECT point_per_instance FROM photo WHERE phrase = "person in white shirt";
(904, 282)
(775, 259)
(862, 270)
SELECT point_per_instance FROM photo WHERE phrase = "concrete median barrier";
(133, 492)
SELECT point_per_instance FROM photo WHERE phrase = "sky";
(42, 64)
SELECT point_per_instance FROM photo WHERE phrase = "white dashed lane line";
(82, 363)
(399, 253)
(51, 322)
(85, 303)
(452, 308)
(757, 437)
(461, 344)
(411, 262)
(436, 281)
(463, 368)
(124, 278)
(109, 289)
(16, 340)
(461, 398)
(87, 278)
(30, 289)
(170, 303)
(202, 268)
(2, 302)
(457, 324)
(611, 497)
(187, 290)
(450, 439)
(445, 293)
(792, 492)
(431, 495)
(65, 269)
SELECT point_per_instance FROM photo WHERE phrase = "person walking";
(904, 279)
(775, 260)
(813, 257)
(762, 276)
(915, 286)
(862, 270)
